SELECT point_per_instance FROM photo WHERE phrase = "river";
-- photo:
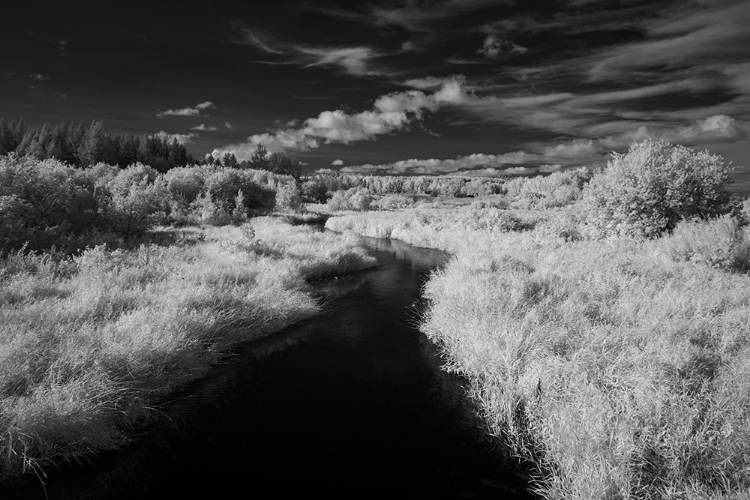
(350, 404)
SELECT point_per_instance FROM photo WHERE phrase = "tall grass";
(89, 344)
(615, 368)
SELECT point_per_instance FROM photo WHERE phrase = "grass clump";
(89, 344)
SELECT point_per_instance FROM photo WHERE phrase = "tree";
(7, 144)
(128, 150)
(285, 164)
(259, 159)
(651, 188)
(97, 146)
(230, 160)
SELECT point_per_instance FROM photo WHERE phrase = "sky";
(475, 87)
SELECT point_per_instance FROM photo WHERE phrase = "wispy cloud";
(390, 113)
(228, 125)
(682, 37)
(353, 60)
(539, 159)
(248, 37)
(414, 17)
(204, 128)
(190, 111)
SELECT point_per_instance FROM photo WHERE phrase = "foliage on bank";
(90, 344)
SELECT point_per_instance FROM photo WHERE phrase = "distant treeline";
(83, 146)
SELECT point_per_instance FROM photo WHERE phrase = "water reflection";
(350, 404)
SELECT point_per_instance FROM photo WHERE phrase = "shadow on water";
(350, 404)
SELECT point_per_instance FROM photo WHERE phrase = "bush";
(43, 203)
(395, 201)
(133, 211)
(288, 198)
(720, 242)
(184, 184)
(654, 186)
(351, 199)
(223, 186)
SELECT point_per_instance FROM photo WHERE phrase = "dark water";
(351, 404)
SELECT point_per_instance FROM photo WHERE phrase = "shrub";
(43, 204)
(394, 201)
(351, 199)
(223, 186)
(184, 184)
(651, 188)
(720, 242)
(288, 198)
(135, 208)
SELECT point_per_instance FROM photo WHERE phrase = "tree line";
(82, 146)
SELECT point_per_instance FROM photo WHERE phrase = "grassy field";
(90, 344)
(616, 367)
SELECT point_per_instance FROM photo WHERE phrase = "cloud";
(683, 37)
(250, 38)
(716, 129)
(494, 46)
(416, 18)
(38, 77)
(204, 128)
(429, 82)
(353, 60)
(194, 111)
(337, 162)
(228, 125)
(181, 138)
(540, 158)
(390, 113)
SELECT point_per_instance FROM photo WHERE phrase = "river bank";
(90, 344)
(615, 368)
(351, 403)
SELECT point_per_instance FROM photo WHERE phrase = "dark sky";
(502, 86)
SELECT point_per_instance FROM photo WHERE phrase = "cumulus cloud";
(204, 128)
(494, 46)
(390, 113)
(181, 138)
(337, 162)
(189, 111)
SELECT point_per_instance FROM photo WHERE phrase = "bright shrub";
(652, 187)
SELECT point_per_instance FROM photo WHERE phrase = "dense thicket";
(45, 203)
(320, 187)
(84, 146)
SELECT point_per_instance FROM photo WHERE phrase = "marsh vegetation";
(600, 318)
(605, 338)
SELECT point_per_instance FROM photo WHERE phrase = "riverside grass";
(88, 345)
(614, 368)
